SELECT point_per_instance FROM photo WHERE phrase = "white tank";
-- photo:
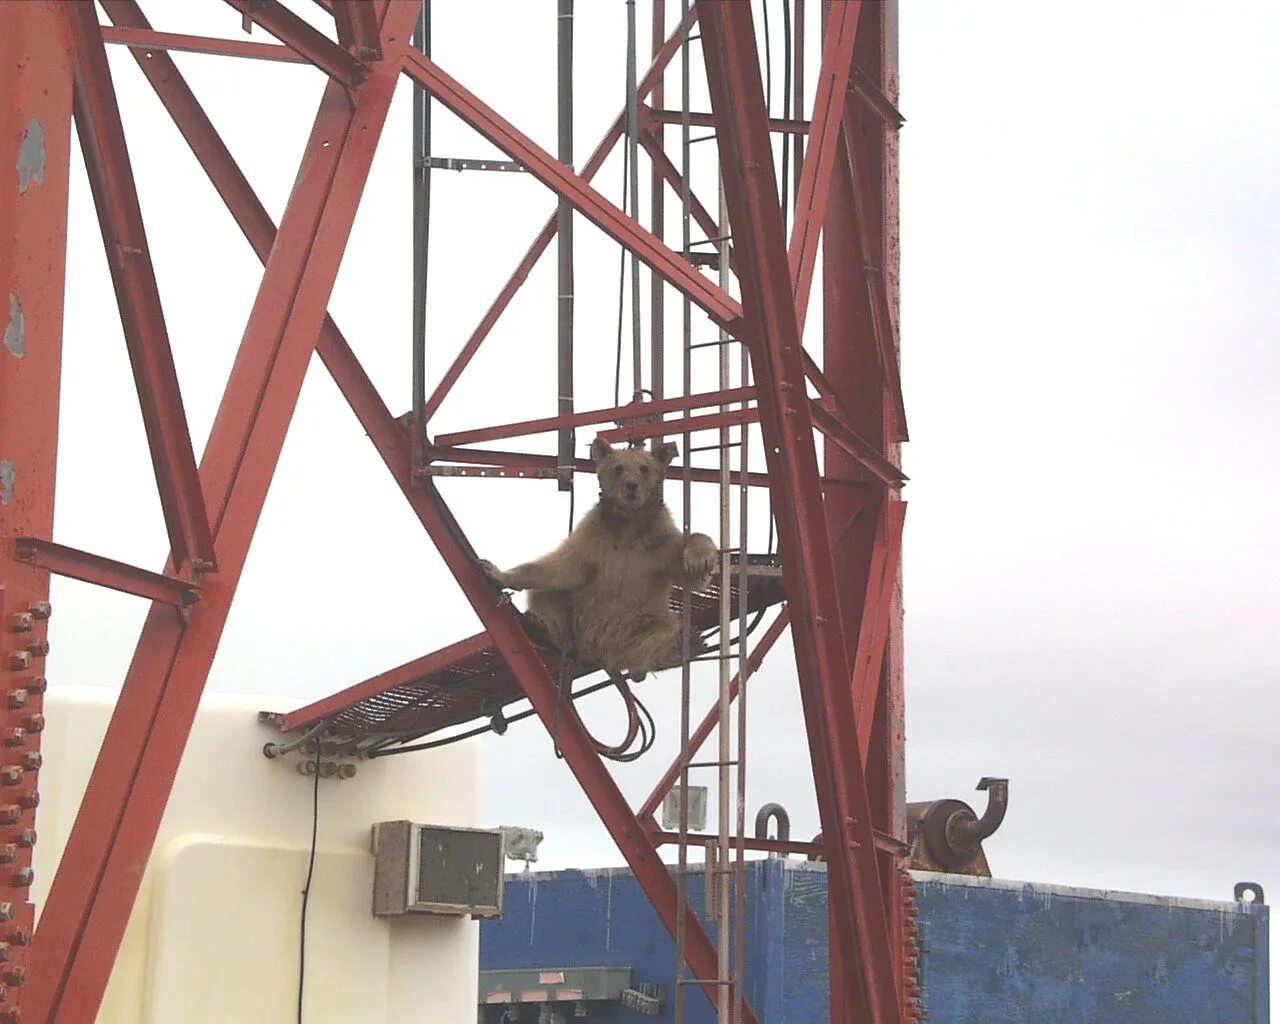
(214, 935)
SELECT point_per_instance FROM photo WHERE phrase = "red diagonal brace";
(877, 612)
(824, 132)
(709, 720)
(613, 414)
(93, 893)
(859, 918)
(882, 323)
(115, 194)
(724, 311)
(409, 672)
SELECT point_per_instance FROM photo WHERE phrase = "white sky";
(1089, 318)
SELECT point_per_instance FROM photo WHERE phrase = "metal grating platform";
(470, 680)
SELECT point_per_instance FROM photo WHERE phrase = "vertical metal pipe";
(421, 235)
(657, 214)
(633, 158)
(564, 246)
(686, 624)
(724, 729)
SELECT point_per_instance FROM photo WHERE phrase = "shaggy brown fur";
(602, 595)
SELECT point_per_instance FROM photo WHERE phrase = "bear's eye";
(644, 470)
(617, 471)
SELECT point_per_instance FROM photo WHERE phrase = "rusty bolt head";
(23, 877)
(26, 838)
(37, 685)
(15, 737)
(19, 661)
(11, 774)
(41, 609)
(22, 622)
(9, 814)
(8, 853)
(17, 699)
(14, 975)
(34, 723)
(33, 760)
(18, 937)
(29, 800)
(38, 648)
(6, 912)
(4, 955)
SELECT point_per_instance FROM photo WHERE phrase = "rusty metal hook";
(966, 832)
(779, 814)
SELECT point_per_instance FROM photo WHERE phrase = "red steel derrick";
(839, 526)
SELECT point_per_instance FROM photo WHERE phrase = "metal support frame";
(839, 531)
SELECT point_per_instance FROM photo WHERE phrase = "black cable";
(388, 750)
(306, 890)
(622, 285)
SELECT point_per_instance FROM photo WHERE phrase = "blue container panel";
(995, 952)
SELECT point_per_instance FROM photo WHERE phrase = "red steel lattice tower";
(837, 506)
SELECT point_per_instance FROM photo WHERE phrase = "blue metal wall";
(995, 952)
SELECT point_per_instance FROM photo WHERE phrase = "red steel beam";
(671, 174)
(882, 322)
(613, 414)
(721, 307)
(36, 82)
(708, 724)
(92, 895)
(147, 40)
(701, 120)
(393, 444)
(499, 305)
(124, 237)
(828, 421)
(105, 572)
(684, 425)
(303, 38)
(409, 672)
(357, 27)
(770, 307)
(527, 462)
(877, 618)
(824, 131)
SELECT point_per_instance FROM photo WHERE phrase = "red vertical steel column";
(92, 896)
(860, 937)
(852, 367)
(35, 144)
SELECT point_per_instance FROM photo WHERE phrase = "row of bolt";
(16, 737)
(913, 1006)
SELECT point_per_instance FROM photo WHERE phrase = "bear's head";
(631, 479)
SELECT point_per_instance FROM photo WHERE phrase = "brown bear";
(602, 595)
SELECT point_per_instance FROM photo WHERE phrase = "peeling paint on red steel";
(35, 146)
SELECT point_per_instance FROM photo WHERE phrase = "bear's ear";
(665, 452)
(600, 450)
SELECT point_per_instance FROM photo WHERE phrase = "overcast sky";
(1089, 325)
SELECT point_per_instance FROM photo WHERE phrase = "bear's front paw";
(701, 558)
(495, 574)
